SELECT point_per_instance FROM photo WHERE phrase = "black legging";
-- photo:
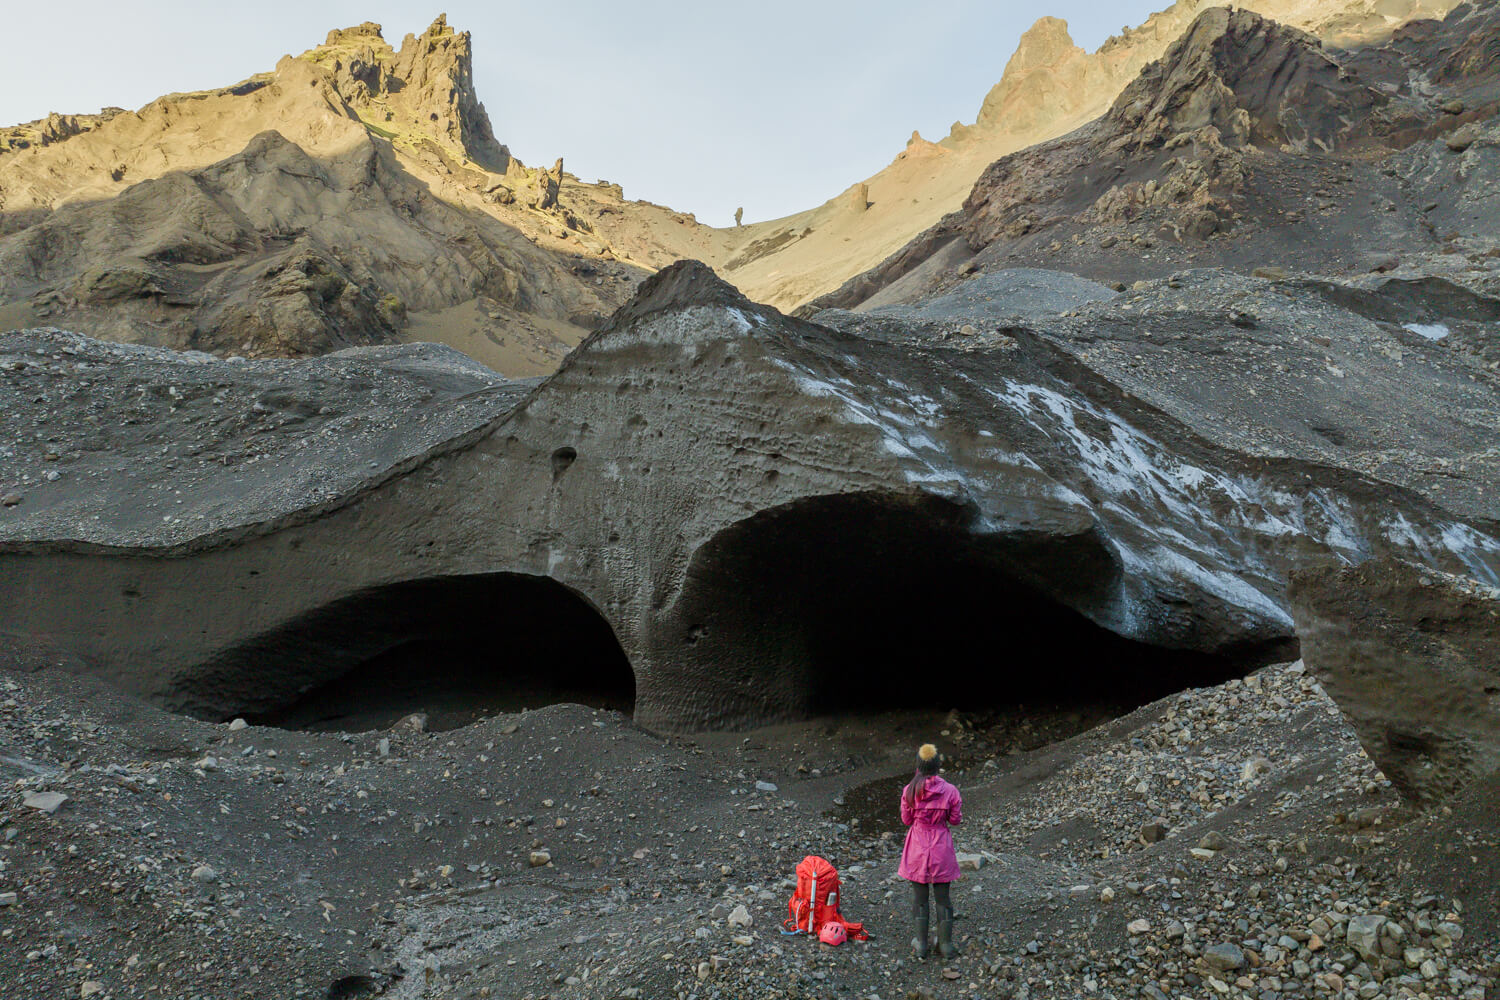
(939, 892)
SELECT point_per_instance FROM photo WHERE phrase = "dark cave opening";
(868, 603)
(454, 648)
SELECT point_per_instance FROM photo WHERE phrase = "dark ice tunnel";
(457, 648)
(874, 601)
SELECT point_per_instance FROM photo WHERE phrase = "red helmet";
(833, 933)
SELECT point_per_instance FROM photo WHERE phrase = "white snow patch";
(902, 433)
(741, 320)
(1432, 331)
(1475, 550)
(1231, 588)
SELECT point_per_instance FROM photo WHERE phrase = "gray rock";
(416, 722)
(1363, 935)
(1461, 138)
(1224, 957)
(47, 802)
(1013, 292)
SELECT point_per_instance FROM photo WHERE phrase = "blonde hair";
(927, 766)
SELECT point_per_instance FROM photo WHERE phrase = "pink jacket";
(929, 856)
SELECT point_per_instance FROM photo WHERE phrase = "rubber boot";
(920, 948)
(946, 947)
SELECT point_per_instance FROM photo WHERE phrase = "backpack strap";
(812, 906)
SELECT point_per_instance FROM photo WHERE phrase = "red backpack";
(816, 901)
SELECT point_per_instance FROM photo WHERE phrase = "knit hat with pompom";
(927, 759)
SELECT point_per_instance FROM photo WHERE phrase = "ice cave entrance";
(455, 648)
(862, 603)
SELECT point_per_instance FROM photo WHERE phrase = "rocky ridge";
(419, 101)
(1049, 88)
(1247, 142)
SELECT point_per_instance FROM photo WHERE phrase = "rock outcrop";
(1042, 85)
(1412, 657)
(1252, 80)
(355, 195)
(741, 495)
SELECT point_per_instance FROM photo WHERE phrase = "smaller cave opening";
(454, 649)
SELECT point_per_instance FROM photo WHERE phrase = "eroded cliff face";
(276, 252)
(1410, 656)
(322, 101)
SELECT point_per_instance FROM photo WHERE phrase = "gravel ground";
(1224, 842)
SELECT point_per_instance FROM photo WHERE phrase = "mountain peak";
(423, 91)
(1043, 44)
(438, 70)
(1033, 85)
(353, 36)
(677, 286)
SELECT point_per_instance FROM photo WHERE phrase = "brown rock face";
(1412, 657)
(1050, 88)
(1252, 79)
(275, 252)
(356, 194)
(437, 69)
(548, 184)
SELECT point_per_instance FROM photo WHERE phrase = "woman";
(929, 805)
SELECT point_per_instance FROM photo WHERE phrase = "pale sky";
(776, 105)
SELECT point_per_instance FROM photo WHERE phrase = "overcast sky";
(702, 105)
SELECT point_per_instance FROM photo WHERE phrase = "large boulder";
(1412, 656)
